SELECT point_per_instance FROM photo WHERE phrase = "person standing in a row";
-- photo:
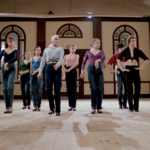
(8, 73)
(95, 74)
(131, 70)
(36, 84)
(53, 56)
(71, 60)
(120, 76)
(24, 79)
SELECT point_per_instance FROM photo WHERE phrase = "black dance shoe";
(130, 110)
(120, 106)
(70, 109)
(125, 107)
(57, 114)
(93, 111)
(51, 112)
(24, 107)
(35, 109)
(39, 109)
(28, 107)
(6, 112)
(99, 111)
(74, 109)
(137, 111)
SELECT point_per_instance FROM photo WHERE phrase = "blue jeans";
(120, 82)
(53, 77)
(36, 89)
(71, 85)
(24, 81)
(96, 80)
(8, 78)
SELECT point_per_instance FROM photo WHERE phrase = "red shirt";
(113, 59)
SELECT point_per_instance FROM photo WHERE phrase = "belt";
(52, 61)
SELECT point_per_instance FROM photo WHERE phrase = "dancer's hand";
(66, 70)
(118, 72)
(81, 76)
(140, 68)
(55, 67)
(97, 64)
(34, 72)
(39, 76)
(18, 80)
(21, 72)
(125, 70)
(63, 78)
(5, 67)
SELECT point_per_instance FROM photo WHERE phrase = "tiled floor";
(115, 129)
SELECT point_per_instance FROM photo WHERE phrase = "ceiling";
(74, 8)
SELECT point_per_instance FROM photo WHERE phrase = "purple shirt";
(92, 58)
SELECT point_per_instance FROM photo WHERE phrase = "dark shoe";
(137, 111)
(131, 110)
(74, 109)
(6, 112)
(28, 107)
(10, 110)
(93, 111)
(99, 111)
(35, 109)
(120, 106)
(125, 107)
(70, 109)
(57, 114)
(24, 107)
(39, 109)
(51, 112)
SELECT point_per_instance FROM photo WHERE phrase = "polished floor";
(115, 129)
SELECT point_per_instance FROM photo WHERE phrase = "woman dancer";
(71, 62)
(120, 76)
(24, 79)
(53, 56)
(8, 73)
(36, 84)
(95, 74)
(131, 70)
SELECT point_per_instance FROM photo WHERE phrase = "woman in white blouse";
(53, 57)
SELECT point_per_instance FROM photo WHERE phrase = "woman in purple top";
(95, 74)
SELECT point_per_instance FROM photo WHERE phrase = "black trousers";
(24, 81)
(133, 77)
(71, 85)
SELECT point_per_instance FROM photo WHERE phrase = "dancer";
(53, 56)
(131, 70)
(36, 84)
(71, 62)
(95, 74)
(120, 76)
(24, 79)
(8, 73)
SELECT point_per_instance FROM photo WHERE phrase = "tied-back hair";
(36, 48)
(9, 39)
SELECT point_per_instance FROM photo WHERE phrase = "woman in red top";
(120, 76)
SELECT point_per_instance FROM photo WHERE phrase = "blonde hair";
(130, 38)
(27, 52)
(10, 39)
(93, 40)
(72, 45)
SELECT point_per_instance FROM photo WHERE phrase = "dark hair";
(36, 47)
(120, 45)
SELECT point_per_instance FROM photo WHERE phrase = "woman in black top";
(8, 73)
(131, 69)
